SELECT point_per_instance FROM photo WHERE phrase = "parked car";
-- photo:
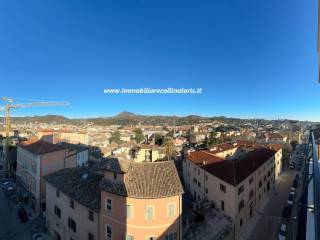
(282, 232)
(291, 166)
(294, 185)
(37, 236)
(290, 199)
(5, 184)
(9, 189)
(286, 212)
(23, 216)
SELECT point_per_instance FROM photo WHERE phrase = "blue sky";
(253, 58)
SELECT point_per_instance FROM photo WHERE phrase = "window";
(241, 189)
(91, 216)
(149, 213)
(241, 222)
(260, 184)
(223, 188)
(195, 180)
(90, 236)
(206, 190)
(251, 180)
(57, 211)
(129, 211)
(222, 205)
(171, 209)
(241, 205)
(108, 204)
(108, 232)
(151, 238)
(115, 176)
(72, 224)
(199, 184)
(172, 236)
(129, 237)
(71, 203)
(251, 193)
(57, 193)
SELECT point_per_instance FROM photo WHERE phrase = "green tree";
(169, 147)
(115, 137)
(138, 135)
(286, 151)
(206, 142)
(170, 134)
(158, 139)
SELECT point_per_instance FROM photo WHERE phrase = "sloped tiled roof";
(78, 183)
(42, 147)
(113, 165)
(201, 157)
(235, 171)
(147, 180)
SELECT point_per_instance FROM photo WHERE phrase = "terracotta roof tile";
(147, 180)
(235, 171)
(42, 147)
(78, 183)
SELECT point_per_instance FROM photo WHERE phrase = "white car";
(9, 188)
(5, 184)
(290, 199)
(37, 236)
(282, 232)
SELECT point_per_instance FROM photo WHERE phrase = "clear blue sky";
(252, 58)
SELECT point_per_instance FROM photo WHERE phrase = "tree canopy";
(138, 135)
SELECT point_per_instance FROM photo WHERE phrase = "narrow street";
(269, 224)
(10, 226)
(270, 221)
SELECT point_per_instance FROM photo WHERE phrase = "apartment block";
(236, 177)
(38, 159)
(115, 199)
(140, 201)
(73, 204)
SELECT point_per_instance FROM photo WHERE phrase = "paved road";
(269, 224)
(10, 226)
(270, 221)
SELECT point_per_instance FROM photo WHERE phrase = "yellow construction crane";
(9, 103)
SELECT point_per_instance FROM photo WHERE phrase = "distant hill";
(128, 118)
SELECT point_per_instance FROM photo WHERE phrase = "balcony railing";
(312, 198)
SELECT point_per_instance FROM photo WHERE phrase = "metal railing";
(316, 186)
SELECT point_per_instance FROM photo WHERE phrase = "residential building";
(74, 137)
(148, 153)
(140, 200)
(73, 204)
(36, 160)
(236, 177)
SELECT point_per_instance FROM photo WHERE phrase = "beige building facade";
(237, 178)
